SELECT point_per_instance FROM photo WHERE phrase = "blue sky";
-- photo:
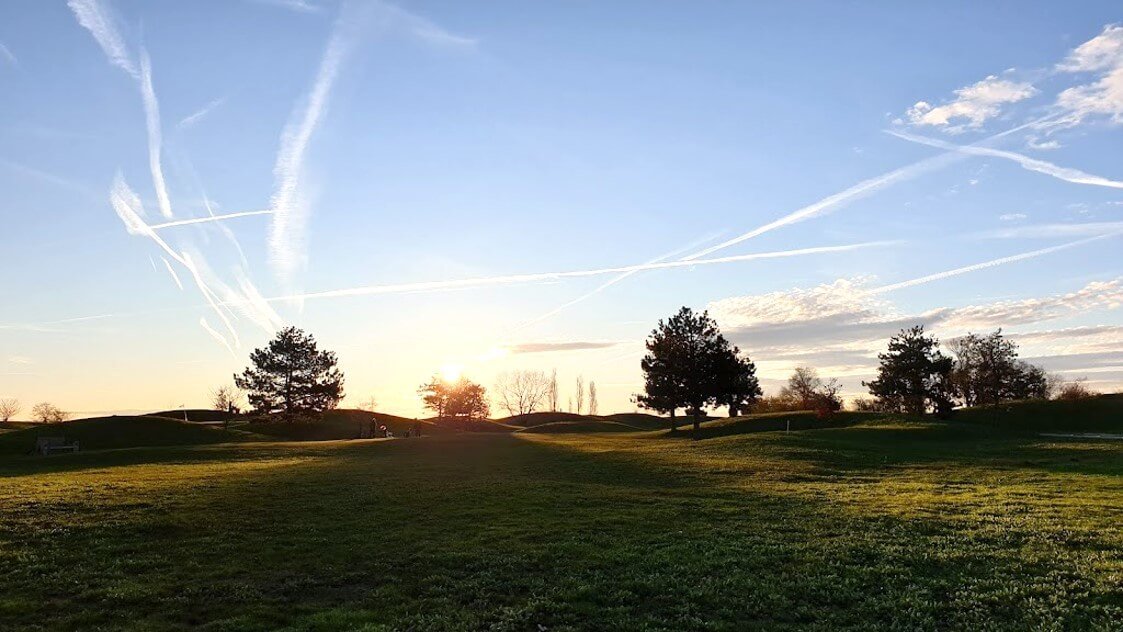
(433, 142)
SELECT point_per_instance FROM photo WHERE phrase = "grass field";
(877, 523)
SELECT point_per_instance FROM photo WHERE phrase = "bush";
(776, 404)
(1075, 390)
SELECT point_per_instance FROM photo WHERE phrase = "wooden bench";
(48, 445)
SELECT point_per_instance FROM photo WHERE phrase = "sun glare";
(451, 372)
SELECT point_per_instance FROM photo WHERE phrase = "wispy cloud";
(987, 264)
(300, 6)
(1033, 164)
(1102, 56)
(422, 28)
(1012, 217)
(1046, 231)
(973, 105)
(290, 202)
(100, 23)
(6, 54)
(152, 120)
(199, 114)
(550, 277)
(209, 219)
(554, 347)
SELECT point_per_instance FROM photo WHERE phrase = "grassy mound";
(540, 418)
(765, 422)
(339, 424)
(584, 425)
(638, 421)
(195, 414)
(641, 420)
(1103, 413)
(104, 433)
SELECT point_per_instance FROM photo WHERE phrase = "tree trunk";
(697, 423)
(674, 422)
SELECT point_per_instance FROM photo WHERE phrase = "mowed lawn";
(879, 525)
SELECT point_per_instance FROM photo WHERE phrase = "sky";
(503, 186)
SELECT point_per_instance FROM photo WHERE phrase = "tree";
(47, 413)
(468, 400)
(9, 407)
(913, 376)
(292, 376)
(593, 405)
(803, 387)
(683, 365)
(460, 399)
(434, 395)
(579, 394)
(522, 392)
(738, 387)
(1076, 389)
(987, 371)
(225, 398)
(552, 394)
(370, 404)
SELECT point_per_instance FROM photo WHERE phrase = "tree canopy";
(462, 399)
(913, 377)
(690, 365)
(292, 376)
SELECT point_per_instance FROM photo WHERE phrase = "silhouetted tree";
(803, 386)
(9, 407)
(913, 376)
(552, 394)
(522, 392)
(579, 394)
(738, 386)
(292, 376)
(47, 413)
(593, 405)
(683, 365)
(987, 371)
(225, 398)
(370, 404)
(460, 399)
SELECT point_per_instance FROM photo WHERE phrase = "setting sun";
(451, 372)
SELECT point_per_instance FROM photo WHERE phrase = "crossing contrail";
(988, 264)
(209, 218)
(545, 277)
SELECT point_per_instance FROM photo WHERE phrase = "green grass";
(880, 524)
(584, 425)
(107, 433)
(338, 424)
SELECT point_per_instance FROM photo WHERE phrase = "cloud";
(1033, 143)
(549, 277)
(199, 114)
(1012, 217)
(553, 347)
(171, 271)
(973, 105)
(422, 28)
(300, 6)
(7, 55)
(1033, 164)
(1103, 56)
(98, 21)
(1044, 231)
(842, 326)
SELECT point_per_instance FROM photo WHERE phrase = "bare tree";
(48, 413)
(593, 407)
(225, 398)
(803, 385)
(369, 404)
(522, 392)
(580, 394)
(9, 407)
(552, 394)
(570, 409)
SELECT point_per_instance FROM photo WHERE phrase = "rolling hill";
(104, 433)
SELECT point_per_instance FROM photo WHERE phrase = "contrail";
(196, 116)
(609, 283)
(210, 218)
(152, 121)
(987, 264)
(171, 271)
(94, 18)
(1067, 174)
(289, 203)
(544, 277)
(864, 187)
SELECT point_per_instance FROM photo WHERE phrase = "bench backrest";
(48, 442)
